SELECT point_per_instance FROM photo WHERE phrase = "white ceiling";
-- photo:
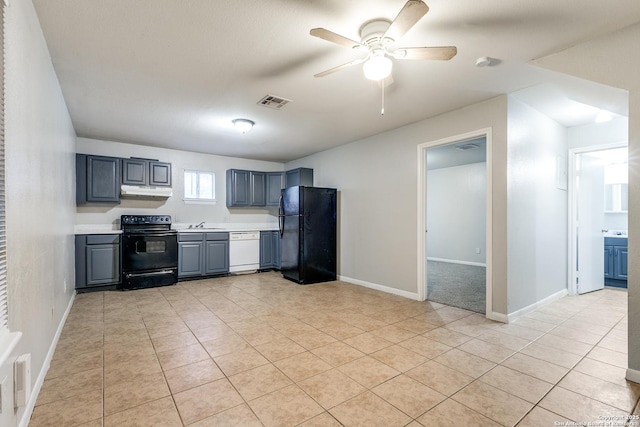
(173, 74)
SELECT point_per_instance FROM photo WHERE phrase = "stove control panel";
(145, 220)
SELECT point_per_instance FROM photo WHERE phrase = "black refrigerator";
(308, 234)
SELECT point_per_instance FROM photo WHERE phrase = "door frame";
(422, 211)
(572, 246)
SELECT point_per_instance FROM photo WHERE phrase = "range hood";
(142, 191)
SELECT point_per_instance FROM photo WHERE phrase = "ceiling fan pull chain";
(382, 109)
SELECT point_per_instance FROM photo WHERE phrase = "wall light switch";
(477, 250)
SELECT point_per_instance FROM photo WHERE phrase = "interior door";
(590, 259)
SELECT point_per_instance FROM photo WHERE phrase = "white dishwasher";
(244, 251)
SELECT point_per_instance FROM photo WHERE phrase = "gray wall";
(537, 218)
(175, 206)
(456, 213)
(40, 147)
(377, 179)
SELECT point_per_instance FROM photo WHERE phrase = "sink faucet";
(201, 225)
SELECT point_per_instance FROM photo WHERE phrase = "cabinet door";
(238, 188)
(103, 264)
(190, 257)
(217, 257)
(258, 188)
(608, 262)
(134, 172)
(300, 176)
(160, 174)
(103, 179)
(276, 249)
(620, 269)
(275, 183)
(266, 249)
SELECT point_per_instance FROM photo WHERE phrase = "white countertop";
(96, 229)
(181, 228)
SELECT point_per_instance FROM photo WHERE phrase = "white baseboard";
(387, 289)
(26, 416)
(456, 261)
(633, 375)
(498, 317)
(528, 309)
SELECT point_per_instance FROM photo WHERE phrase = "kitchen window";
(199, 186)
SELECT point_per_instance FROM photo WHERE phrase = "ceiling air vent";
(275, 102)
(467, 147)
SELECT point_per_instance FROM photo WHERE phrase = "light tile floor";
(259, 350)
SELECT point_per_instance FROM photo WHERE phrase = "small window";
(199, 186)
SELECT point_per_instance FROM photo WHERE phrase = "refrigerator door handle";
(280, 217)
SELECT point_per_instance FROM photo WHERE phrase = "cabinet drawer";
(190, 237)
(103, 239)
(218, 236)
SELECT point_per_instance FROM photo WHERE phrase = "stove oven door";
(149, 259)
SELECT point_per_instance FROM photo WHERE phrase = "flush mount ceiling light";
(377, 68)
(243, 125)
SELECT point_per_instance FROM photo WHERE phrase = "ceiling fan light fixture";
(377, 68)
(243, 125)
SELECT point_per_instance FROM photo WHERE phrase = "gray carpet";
(458, 285)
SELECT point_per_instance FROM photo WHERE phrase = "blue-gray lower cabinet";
(190, 255)
(203, 254)
(97, 260)
(269, 250)
(615, 262)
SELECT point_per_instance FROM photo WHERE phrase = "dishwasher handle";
(244, 235)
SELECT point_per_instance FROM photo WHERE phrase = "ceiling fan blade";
(411, 13)
(442, 53)
(332, 37)
(340, 67)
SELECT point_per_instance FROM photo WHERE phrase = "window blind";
(3, 240)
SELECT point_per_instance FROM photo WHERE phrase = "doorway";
(454, 221)
(598, 216)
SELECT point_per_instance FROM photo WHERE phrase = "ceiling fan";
(378, 38)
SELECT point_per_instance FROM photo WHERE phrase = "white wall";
(377, 180)
(40, 196)
(456, 213)
(619, 70)
(613, 132)
(537, 218)
(174, 206)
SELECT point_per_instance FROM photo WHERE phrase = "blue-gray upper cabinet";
(97, 179)
(275, 184)
(97, 260)
(300, 176)
(245, 188)
(258, 189)
(146, 172)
